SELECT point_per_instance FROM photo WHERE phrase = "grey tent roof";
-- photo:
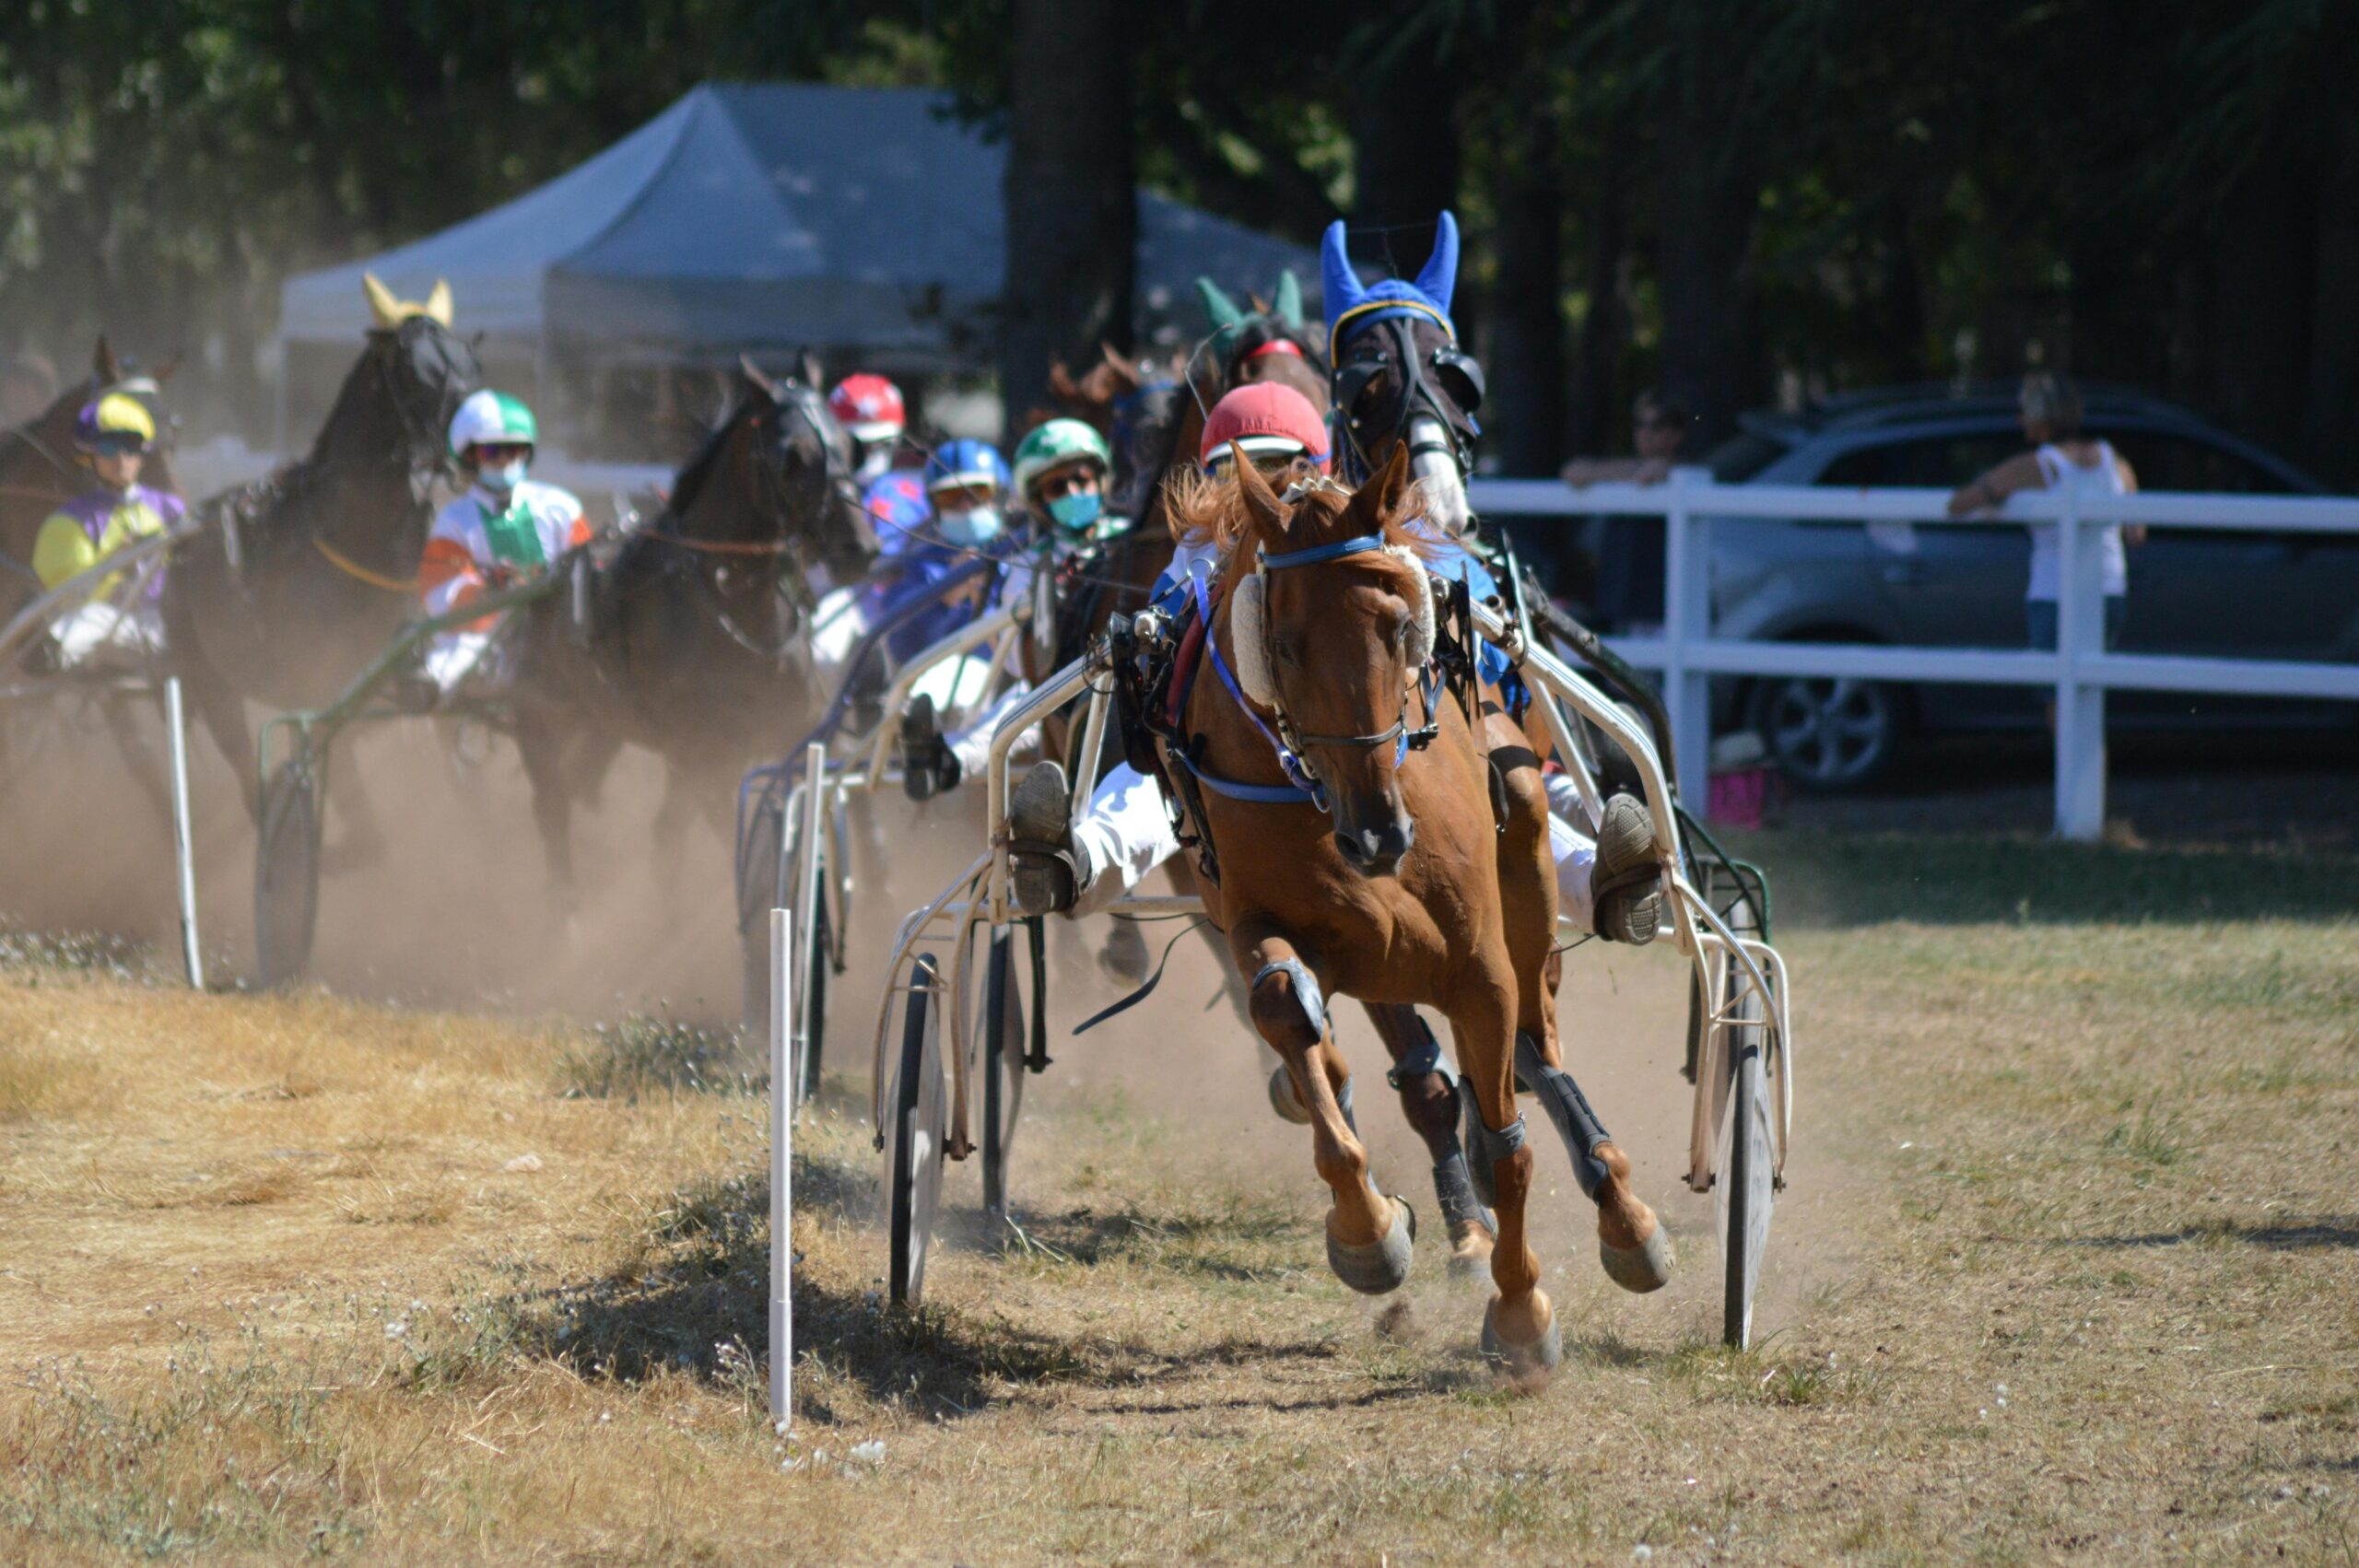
(770, 216)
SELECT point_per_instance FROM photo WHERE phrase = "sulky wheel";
(287, 873)
(913, 1152)
(1743, 1183)
(1003, 1066)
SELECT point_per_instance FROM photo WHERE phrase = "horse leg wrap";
(1305, 991)
(1485, 1145)
(1454, 1192)
(1568, 1109)
(1419, 1060)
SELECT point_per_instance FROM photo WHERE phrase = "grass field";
(2069, 1269)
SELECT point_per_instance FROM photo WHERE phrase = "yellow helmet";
(117, 422)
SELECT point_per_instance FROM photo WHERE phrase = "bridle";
(1289, 743)
(1452, 408)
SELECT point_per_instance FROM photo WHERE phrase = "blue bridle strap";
(1299, 785)
(1359, 545)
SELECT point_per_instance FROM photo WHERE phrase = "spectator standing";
(2061, 458)
(1630, 549)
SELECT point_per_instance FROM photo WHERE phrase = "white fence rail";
(2081, 672)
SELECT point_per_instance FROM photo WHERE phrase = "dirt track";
(2064, 1270)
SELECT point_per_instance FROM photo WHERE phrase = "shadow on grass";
(1824, 879)
(2340, 1232)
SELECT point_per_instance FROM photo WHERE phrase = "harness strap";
(1299, 785)
(353, 569)
(1418, 1059)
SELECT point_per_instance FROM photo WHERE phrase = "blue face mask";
(1077, 509)
(499, 481)
(978, 526)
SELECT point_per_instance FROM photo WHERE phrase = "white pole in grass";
(183, 839)
(781, 1178)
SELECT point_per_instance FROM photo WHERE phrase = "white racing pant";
(454, 656)
(1126, 833)
(106, 634)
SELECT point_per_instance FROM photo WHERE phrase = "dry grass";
(2066, 1270)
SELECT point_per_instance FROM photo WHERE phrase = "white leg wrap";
(1126, 833)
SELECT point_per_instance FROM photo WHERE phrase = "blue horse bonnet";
(1429, 295)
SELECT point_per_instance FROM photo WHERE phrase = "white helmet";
(494, 419)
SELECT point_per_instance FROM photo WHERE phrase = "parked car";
(2199, 591)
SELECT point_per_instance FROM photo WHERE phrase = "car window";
(1741, 456)
(1935, 462)
(2186, 463)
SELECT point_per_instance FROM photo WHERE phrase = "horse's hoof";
(1283, 1100)
(1380, 1266)
(1644, 1267)
(1470, 1250)
(1520, 1363)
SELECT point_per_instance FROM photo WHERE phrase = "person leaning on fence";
(504, 531)
(1630, 550)
(2062, 458)
(112, 438)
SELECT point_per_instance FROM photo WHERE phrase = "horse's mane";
(698, 471)
(1203, 507)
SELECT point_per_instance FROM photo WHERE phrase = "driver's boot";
(928, 765)
(1625, 884)
(1048, 868)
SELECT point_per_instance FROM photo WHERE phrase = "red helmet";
(1267, 417)
(868, 407)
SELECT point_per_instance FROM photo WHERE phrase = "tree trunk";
(1596, 397)
(1710, 195)
(1527, 336)
(2334, 325)
(1404, 155)
(1071, 194)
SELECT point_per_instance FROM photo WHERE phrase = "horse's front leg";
(1519, 1326)
(541, 746)
(1369, 1234)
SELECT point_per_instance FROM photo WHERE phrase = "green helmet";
(1053, 445)
(492, 418)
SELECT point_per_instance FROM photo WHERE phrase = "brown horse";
(1399, 891)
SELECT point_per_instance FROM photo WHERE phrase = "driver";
(505, 530)
(1061, 473)
(112, 438)
(870, 409)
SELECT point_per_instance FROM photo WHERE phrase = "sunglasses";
(497, 453)
(118, 446)
(1056, 486)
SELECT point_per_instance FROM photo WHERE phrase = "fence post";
(184, 836)
(2079, 706)
(1688, 618)
(783, 1088)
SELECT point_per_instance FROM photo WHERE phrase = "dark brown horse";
(300, 579)
(1399, 882)
(691, 642)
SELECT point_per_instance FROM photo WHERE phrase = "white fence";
(1689, 653)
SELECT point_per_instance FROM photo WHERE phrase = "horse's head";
(1333, 624)
(803, 459)
(416, 371)
(1401, 380)
(1271, 343)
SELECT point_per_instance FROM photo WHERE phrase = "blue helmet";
(957, 465)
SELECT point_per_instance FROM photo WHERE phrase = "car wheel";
(1829, 735)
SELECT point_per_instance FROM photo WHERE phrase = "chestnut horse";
(1399, 891)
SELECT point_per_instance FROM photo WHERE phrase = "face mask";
(979, 526)
(501, 480)
(1077, 509)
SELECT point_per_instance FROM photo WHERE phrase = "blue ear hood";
(1436, 281)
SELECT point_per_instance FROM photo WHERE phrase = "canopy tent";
(765, 218)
